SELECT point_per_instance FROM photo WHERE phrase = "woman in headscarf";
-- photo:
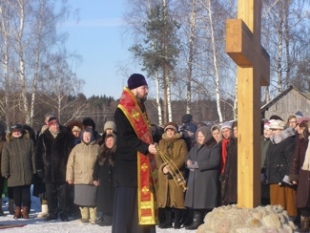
(17, 165)
(300, 174)
(80, 173)
(170, 195)
(203, 161)
(103, 177)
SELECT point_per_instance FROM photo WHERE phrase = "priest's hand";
(152, 149)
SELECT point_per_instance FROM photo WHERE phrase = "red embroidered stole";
(146, 167)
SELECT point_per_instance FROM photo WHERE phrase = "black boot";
(161, 216)
(197, 220)
(187, 217)
(177, 218)
(168, 219)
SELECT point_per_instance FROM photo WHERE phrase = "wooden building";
(287, 103)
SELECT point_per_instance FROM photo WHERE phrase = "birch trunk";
(5, 65)
(215, 65)
(36, 67)
(160, 117)
(22, 76)
(192, 27)
(280, 49)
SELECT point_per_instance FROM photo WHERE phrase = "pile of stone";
(262, 219)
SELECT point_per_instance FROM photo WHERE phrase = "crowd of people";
(131, 177)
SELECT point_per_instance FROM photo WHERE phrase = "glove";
(262, 177)
(41, 174)
(286, 180)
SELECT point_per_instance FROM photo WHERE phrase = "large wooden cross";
(243, 45)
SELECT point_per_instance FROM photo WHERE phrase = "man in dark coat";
(52, 151)
(134, 145)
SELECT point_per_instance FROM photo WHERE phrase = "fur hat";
(87, 121)
(109, 125)
(16, 127)
(277, 124)
(186, 118)
(136, 80)
(171, 125)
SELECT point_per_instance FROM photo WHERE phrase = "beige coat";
(81, 162)
(169, 194)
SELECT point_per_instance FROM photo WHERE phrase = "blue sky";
(97, 37)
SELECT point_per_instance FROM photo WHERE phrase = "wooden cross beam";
(243, 45)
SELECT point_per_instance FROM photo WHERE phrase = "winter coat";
(203, 182)
(80, 166)
(104, 173)
(302, 176)
(264, 144)
(52, 154)
(128, 144)
(17, 162)
(169, 193)
(279, 155)
(229, 192)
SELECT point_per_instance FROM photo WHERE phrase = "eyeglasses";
(292, 121)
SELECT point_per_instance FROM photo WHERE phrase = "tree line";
(180, 45)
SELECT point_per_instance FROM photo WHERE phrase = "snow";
(75, 226)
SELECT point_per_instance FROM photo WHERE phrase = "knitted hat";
(136, 80)
(187, 118)
(302, 119)
(267, 125)
(277, 124)
(171, 125)
(226, 124)
(109, 125)
(52, 121)
(299, 114)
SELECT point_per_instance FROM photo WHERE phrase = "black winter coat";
(278, 160)
(52, 154)
(105, 174)
(128, 143)
(230, 174)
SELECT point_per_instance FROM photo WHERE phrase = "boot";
(50, 217)
(304, 224)
(84, 214)
(168, 219)
(177, 218)
(11, 206)
(187, 217)
(161, 216)
(93, 215)
(18, 212)
(25, 212)
(197, 220)
(44, 211)
(1, 211)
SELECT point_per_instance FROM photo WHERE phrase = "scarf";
(306, 164)
(224, 154)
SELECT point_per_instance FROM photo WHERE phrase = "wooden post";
(243, 45)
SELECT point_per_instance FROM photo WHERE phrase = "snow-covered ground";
(39, 225)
